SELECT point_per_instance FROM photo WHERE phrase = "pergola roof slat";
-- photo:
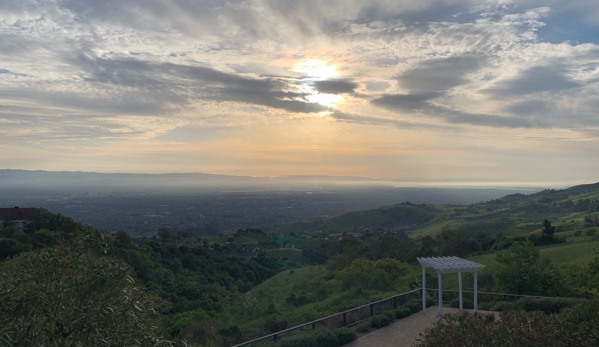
(450, 264)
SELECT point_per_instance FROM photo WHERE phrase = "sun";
(328, 100)
(316, 69)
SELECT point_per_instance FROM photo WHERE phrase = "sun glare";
(316, 69)
(324, 99)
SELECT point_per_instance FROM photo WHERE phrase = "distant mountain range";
(63, 179)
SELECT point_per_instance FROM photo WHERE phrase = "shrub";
(486, 306)
(302, 339)
(344, 335)
(547, 305)
(316, 338)
(402, 312)
(517, 328)
(390, 314)
(363, 327)
(590, 232)
(467, 303)
(577, 233)
(430, 302)
(414, 305)
(276, 325)
(380, 321)
(326, 338)
(502, 306)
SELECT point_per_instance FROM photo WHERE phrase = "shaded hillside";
(515, 214)
(396, 217)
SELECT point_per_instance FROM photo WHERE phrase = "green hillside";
(512, 215)
(400, 217)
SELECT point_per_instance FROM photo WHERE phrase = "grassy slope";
(277, 287)
(396, 216)
(560, 254)
(511, 215)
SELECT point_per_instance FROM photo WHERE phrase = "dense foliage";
(70, 295)
(516, 328)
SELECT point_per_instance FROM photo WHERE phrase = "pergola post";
(475, 290)
(440, 275)
(449, 265)
(460, 290)
(423, 289)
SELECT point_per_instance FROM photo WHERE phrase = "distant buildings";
(19, 217)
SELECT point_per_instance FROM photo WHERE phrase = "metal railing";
(372, 309)
(504, 295)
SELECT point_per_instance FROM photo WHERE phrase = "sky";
(437, 90)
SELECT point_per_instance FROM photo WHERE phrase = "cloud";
(178, 83)
(439, 75)
(420, 104)
(405, 102)
(335, 86)
(354, 118)
(377, 86)
(536, 79)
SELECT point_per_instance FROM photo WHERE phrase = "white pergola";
(443, 265)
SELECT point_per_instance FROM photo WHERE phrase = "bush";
(577, 233)
(316, 338)
(467, 303)
(276, 325)
(402, 312)
(344, 335)
(430, 302)
(547, 305)
(590, 232)
(517, 328)
(502, 306)
(486, 306)
(390, 314)
(326, 338)
(414, 305)
(380, 321)
(363, 327)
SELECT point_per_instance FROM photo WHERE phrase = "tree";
(123, 239)
(547, 228)
(525, 271)
(71, 295)
(453, 243)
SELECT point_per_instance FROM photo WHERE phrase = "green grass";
(571, 253)
(277, 287)
(385, 217)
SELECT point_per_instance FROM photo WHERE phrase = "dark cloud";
(179, 83)
(419, 104)
(354, 118)
(534, 80)
(377, 86)
(439, 75)
(335, 86)
(406, 102)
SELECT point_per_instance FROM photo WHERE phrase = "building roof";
(450, 264)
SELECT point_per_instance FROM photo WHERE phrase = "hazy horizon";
(12, 178)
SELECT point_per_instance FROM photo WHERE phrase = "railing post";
(344, 319)
(395, 302)
(313, 325)
(371, 310)
(275, 337)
